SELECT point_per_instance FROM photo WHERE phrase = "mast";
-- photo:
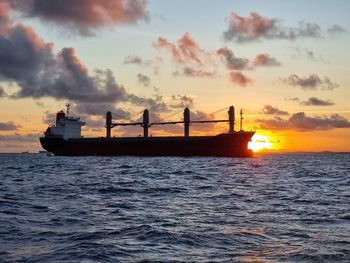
(241, 121)
(68, 108)
(187, 121)
(145, 123)
(108, 124)
(231, 118)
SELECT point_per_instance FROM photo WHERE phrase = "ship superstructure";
(64, 138)
(66, 127)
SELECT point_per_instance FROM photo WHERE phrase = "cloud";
(295, 99)
(40, 72)
(307, 54)
(313, 101)
(184, 51)
(153, 104)
(20, 137)
(136, 60)
(9, 126)
(239, 79)
(312, 82)
(192, 72)
(143, 79)
(232, 62)
(336, 30)
(133, 60)
(99, 109)
(299, 121)
(182, 101)
(255, 27)
(2, 92)
(265, 60)
(269, 110)
(83, 16)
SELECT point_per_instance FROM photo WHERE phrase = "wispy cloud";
(256, 27)
(311, 82)
(192, 72)
(143, 79)
(313, 101)
(184, 51)
(9, 126)
(182, 101)
(336, 30)
(269, 110)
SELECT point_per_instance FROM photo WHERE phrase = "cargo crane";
(186, 121)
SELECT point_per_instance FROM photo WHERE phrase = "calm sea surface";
(274, 208)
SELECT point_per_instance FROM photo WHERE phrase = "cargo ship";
(64, 139)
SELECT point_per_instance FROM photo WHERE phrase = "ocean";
(272, 208)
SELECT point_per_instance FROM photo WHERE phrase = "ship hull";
(222, 145)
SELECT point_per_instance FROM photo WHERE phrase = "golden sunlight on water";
(260, 142)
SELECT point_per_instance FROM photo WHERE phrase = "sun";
(260, 142)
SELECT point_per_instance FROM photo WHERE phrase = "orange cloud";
(239, 79)
(265, 60)
(185, 51)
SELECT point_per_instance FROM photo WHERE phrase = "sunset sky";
(285, 63)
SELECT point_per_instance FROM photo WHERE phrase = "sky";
(285, 63)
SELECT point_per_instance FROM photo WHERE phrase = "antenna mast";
(68, 108)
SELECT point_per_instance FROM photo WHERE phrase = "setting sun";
(260, 142)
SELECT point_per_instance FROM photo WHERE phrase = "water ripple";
(275, 208)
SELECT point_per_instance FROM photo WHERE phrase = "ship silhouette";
(64, 139)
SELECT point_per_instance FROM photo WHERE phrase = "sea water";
(272, 208)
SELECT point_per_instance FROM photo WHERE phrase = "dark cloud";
(143, 79)
(9, 126)
(265, 60)
(192, 72)
(313, 101)
(39, 72)
(239, 79)
(255, 27)
(83, 16)
(269, 110)
(312, 82)
(232, 62)
(299, 121)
